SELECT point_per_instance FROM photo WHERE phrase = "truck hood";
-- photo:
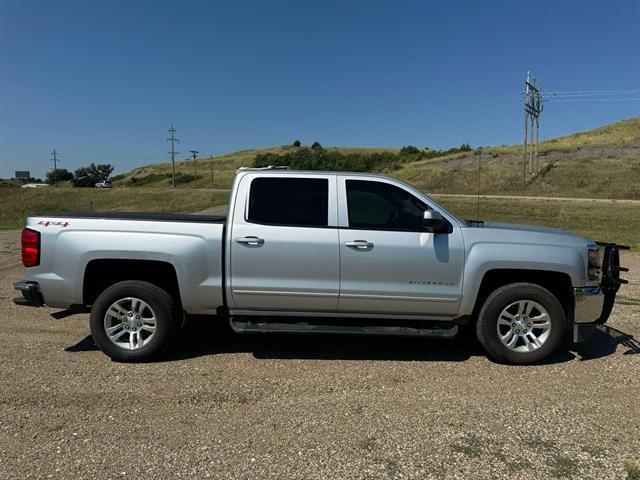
(538, 232)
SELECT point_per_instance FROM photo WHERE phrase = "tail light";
(30, 248)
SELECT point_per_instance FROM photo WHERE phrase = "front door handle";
(359, 244)
(251, 241)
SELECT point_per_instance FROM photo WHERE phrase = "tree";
(59, 175)
(296, 143)
(316, 146)
(409, 150)
(101, 171)
(89, 176)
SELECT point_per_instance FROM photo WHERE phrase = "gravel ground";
(289, 407)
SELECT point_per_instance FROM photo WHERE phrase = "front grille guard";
(610, 280)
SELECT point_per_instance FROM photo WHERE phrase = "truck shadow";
(204, 337)
(604, 341)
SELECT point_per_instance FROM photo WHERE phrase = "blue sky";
(102, 81)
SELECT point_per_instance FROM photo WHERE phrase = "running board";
(344, 327)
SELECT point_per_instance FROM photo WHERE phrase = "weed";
(563, 466)
(540, 444)
(368, 443)
(56, 427)
(392, 465)
(632, 469)
(470, 445)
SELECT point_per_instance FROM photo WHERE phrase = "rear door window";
(302, 202)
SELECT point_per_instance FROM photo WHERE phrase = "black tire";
(166, 312)
(487, 325)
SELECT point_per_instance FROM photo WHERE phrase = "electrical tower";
(532, 110)
(194, 154)
(55, 160)
(173, 140)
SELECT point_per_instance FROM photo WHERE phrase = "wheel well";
(559, 284)
(101, 274)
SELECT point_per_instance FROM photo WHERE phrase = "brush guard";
(610, 280)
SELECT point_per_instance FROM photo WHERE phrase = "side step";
(334, 326)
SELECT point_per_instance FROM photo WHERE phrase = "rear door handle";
(252, 241)
(359, 244)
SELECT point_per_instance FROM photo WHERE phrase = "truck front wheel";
(521, 323)
(134, 321)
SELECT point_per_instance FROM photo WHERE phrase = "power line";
(122, 156)
(632, 99)
(594, 94)
(173, 140)
(561, 92)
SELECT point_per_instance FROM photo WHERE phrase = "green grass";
(633, 470)
(606, 221)
(17, 204)
(624, 131)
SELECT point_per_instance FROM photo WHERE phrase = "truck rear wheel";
(521, 323)
(134, 321)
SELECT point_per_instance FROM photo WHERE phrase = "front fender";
(484, 257)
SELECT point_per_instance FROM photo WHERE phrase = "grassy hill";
(223, 168)
(600, 163)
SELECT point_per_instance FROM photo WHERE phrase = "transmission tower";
(532, 110)
(194, 154)
(55, 160)
(173, 140)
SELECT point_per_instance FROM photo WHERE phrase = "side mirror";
(434, 222)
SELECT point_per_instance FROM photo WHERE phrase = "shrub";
(317, 158)
(59, 175)
(409, 150)
(147, 179)
(296, 143)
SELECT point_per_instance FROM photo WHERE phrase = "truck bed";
(144, 216)
(73, 243)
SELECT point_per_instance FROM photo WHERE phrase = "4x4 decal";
(46, 223)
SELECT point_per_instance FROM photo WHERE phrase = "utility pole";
(532, 110)
(211, 163)
(478, 196)
(173, 140)
(55, 160)
(194, 153)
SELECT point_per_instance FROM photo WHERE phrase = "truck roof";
(280, 169)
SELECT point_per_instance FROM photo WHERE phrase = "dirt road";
(526, 197)
(290, 407)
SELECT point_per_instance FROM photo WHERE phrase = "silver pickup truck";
(320, 252)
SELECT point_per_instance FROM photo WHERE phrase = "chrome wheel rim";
(524, 326)
(130, 323)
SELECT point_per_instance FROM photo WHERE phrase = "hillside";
(600, 163)
(223, 168)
